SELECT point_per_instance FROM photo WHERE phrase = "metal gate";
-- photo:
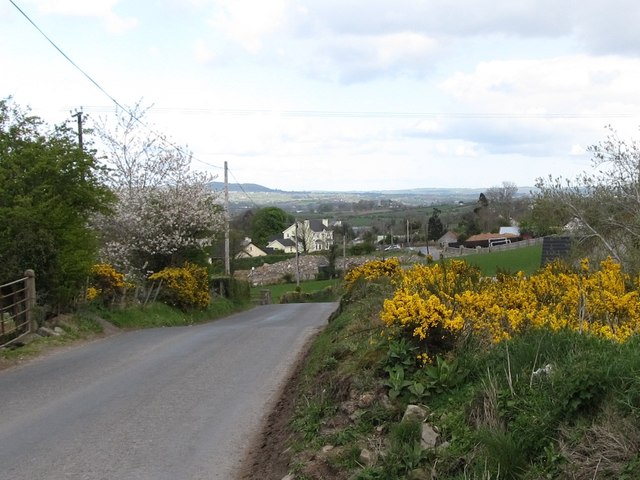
(17, 300)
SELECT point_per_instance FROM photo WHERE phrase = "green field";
(525, 259)
(282, 288)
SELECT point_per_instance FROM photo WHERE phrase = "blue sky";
(344, 95)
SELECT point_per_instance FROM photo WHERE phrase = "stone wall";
(269, 274)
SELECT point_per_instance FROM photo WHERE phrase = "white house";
(249, 250)
(286, 245)
(312, 236)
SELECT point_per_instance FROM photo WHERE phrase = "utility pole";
(227, 262)
(344, 250)
(297, 258)
(78, 115)
(408, 241)
(426, 228)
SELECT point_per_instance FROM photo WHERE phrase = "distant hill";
(243, 187)
(256, 188)
(250, 195)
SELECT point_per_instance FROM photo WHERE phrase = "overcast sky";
(343, 95)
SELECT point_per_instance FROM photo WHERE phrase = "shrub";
(106, 283)
(436, 303)
(185, 287)
(373, 270)
(238, 291)
(362, 249)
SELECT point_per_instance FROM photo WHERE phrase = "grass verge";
(161, 315)
(83, 325)
(77, 328)
(543, 405)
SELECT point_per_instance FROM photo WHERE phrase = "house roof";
(481, 237)
(449, 234)
(285, 242)
(254, 247)
(317, 225)
(251, 250)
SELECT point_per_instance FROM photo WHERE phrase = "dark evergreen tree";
(436, 228)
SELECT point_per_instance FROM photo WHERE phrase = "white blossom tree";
(165, 213)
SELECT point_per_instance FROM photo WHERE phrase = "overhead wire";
(160, 136)
(242, 188)
(381, 114)
(297, 113)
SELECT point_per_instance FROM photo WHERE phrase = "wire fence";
(17, 300)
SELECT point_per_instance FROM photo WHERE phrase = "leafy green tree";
(49, 192)
(267, 222)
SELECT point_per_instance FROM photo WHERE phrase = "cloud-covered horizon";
(320, 93)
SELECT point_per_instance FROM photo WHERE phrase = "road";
(176, 403)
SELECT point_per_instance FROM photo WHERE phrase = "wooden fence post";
(30, 299)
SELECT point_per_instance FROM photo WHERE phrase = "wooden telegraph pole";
(227, 261)
(78, 115)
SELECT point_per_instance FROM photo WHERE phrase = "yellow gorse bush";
(92, 293)
(106, 283)
(372, 270)
(185, 287)
(453, 297)
(104, 274)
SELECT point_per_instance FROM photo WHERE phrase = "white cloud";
(599, 26)
(577, 150)
(116, 24)
(543, 105)
(248, 22)
(81, 8)
(476, 91)
(202, 52)
(103, 9)
(426, 128)
(355, 58)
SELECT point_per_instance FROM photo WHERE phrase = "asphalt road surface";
(176, 403)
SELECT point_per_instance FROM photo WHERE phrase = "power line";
(110, 97)
(119, 105)
(377, 114)
(86, 75)
(321, 113)
(243, 190)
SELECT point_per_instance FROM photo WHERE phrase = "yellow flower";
(92, 293)
(185, 287)
(454, 297)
